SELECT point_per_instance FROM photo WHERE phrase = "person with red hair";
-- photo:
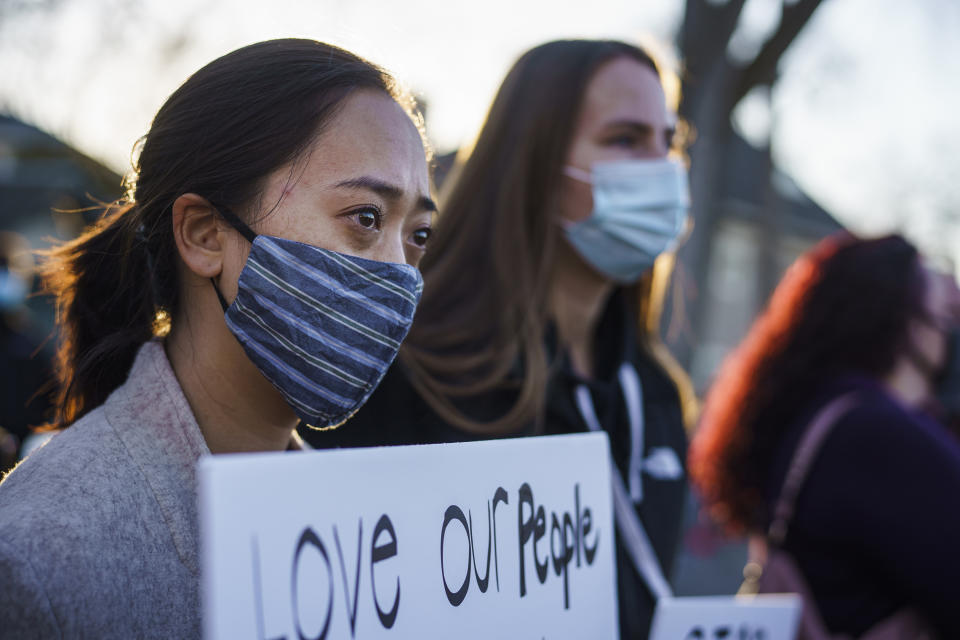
(875, 525)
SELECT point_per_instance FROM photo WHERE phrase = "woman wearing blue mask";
(542, 296)
(260, 272)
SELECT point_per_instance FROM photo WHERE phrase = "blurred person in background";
(543, 289)
(281, 185)
(25, 371)
(854, 340)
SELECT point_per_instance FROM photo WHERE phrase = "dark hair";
(843, 307)
(487, 277)
(229, 126)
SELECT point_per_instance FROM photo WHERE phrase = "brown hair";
(484, 303)
(230, 125)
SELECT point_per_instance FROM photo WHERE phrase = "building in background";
(41, 181)
(762, 227)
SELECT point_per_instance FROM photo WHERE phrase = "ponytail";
(107, 302)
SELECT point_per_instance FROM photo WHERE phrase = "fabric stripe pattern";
(321, 326)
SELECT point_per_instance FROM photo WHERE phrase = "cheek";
(576, 200)
(587, 152)
(932, 344)
(413, 256)
(295, 221)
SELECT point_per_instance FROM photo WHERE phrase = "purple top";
(877, 524)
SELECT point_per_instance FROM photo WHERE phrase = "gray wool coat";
(99, 528)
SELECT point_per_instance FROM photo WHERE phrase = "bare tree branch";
(705, 32)
(763, 69)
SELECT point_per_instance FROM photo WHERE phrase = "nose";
(391, 249)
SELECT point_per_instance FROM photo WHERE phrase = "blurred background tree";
(722, 64)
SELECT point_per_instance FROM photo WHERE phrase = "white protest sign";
(496, 539)
(760, 617)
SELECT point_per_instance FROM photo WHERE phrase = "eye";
(421, 236)
(370, 218)
(623, 140)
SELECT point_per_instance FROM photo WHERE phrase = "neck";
(578, 295)
(236, 408)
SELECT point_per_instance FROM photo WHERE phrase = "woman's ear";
(198, 234)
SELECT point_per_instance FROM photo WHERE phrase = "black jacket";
(395, 414)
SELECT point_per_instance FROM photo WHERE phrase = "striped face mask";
(321, 326)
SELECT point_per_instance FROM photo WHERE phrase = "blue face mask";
(639, 212)
(13, 290)
(321, 326)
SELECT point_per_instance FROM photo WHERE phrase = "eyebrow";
(386, 190)
(637, 125)
(641, 128)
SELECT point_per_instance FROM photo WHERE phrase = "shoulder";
(25, 608)
(880, 453)
(882, 492)
(86, 535)
(60, 462)
(49, 504)
(878, 425)
(63, 478)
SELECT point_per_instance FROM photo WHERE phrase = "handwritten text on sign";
(509, 538)
(760, 617)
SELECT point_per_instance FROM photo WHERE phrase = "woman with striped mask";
(262, 271)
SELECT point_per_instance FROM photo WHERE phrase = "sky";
(863, 117)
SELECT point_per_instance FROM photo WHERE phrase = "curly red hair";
(843, 307)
